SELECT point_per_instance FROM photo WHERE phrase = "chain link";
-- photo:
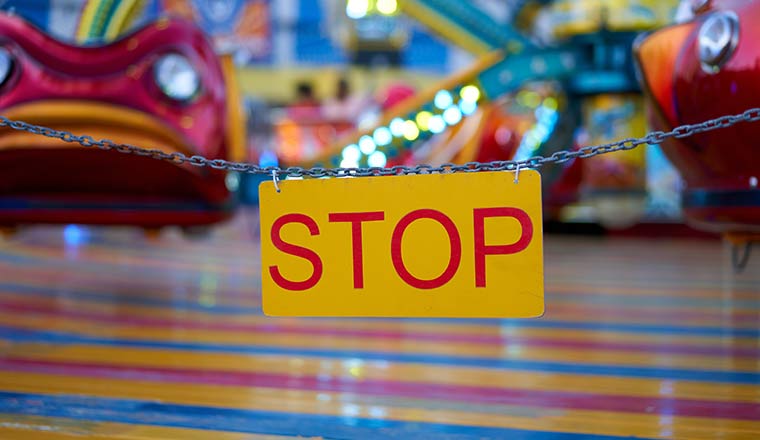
(656, 137)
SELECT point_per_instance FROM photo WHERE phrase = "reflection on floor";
(109, 335)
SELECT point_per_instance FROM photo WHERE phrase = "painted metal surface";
(107, 335)
(719, 168)
(109, 92)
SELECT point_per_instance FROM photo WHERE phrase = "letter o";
(455, 244)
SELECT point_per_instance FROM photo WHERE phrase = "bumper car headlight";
(6, 65)
(717, 39)
(176, 77)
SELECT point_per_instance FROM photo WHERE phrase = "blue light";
(546, 120)
(436, 124)
(377, 159)
(468, 107)
(367, 144)
(452, 115)
(397, 127)
(74, 235)
(268, 159)
(382, 136)
(443, 99)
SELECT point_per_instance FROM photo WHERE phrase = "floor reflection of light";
(355, 367)
(509, 329)
(74, 235)
(666, 388)
(513, 350)
(73, 238)
(324, 397)
(350, 410)
(208, 285)
(377, 412)
(666, 426)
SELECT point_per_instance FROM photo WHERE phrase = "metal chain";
(656, 137)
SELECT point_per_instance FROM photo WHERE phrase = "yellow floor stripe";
(464, 349)
(429, 374)
(307, 402)
(405, 326)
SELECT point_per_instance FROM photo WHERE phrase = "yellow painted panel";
(443, 245)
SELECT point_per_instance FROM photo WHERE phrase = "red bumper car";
(705, 68)
(161, 86)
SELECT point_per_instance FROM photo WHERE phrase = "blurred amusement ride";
(553, 75)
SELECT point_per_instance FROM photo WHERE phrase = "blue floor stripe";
(115, 298)
(99, 409)
(146, 271)
(60, 338)
(182, 304)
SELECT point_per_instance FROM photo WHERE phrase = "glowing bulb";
(351, 153)
(357, 8)
(377, 159)
(387, 7)
(397, 127)
(411, 132)
(550, 103)
(467, 107)
(443, 99)
(423, 119)
(452, 115)
(532, 99)
(382, 136)
(367, 145)
(470, 93)
(436, 124)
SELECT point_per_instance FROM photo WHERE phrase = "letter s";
(298, 251)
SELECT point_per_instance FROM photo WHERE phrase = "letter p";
(482, 250)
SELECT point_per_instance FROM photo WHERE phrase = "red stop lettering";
(298, 251)
(356, 219)
(482, 250)
(455, 244)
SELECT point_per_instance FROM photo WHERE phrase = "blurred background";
(334, 82)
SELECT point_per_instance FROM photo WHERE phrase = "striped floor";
(104, 334)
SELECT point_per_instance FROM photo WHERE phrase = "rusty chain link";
(751, 115)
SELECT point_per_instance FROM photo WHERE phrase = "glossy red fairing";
(109, 92)
(721, 166)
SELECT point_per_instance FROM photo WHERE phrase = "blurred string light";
(448, 109)
(382, 136)
(529, 98)
(411, 131)
(387, 7)
(467, 107)
(377, 159)
(350, 156)
(452, 115)
(436, 124)
(357, 9)
(423, 120)
(443, 99)
(367, 145)
(546, 120)
(397, 127)
(470, 93)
